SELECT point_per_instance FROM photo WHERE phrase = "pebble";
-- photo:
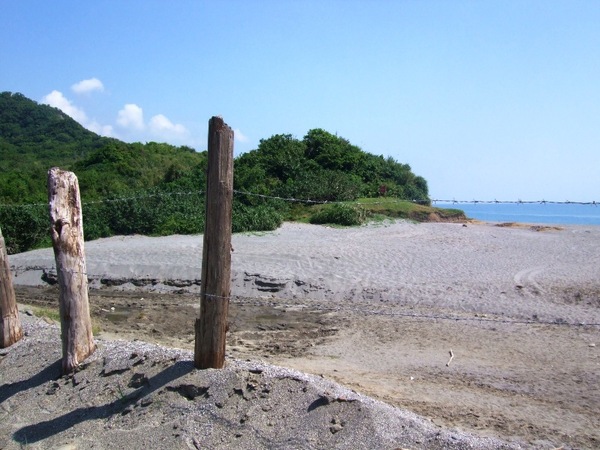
(52, 388)
(67, 447)
(335, 428)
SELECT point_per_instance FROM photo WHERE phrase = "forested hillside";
(35, 137)
(156, 188)
(323, 166)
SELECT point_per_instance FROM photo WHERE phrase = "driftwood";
(211, 326)
(451, 358)
(66, 229)
(10, 325)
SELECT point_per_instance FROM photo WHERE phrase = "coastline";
(538, 213)
(378, 308)
(458, 267)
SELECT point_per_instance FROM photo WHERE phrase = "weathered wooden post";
(211, 326)
(10, 325)
(67, 240)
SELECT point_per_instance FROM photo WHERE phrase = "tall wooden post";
(10, 325)
(211, 327)
(67, 240)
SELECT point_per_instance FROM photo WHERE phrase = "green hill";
(325, 167)
(35, 137)
(156, 188)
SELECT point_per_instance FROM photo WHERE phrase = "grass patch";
(49, 313)
(402, 209)
(345, 214)
(96, 329)
(54, 315)
(377, 210)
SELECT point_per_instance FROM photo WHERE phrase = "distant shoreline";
(400, 263)
(530, 213)
(385, 304)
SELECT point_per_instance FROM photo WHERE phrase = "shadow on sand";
(43, 430)
(52, 372)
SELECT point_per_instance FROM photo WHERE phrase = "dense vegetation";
(35, 137)
(324, 167)
(156, 189)
(125, 188)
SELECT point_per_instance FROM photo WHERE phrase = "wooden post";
(10, 325)
(211, 326)
(67, 240)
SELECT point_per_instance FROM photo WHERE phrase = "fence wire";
(109, 200)
(282, 301)
(309, 201)
(428, 200)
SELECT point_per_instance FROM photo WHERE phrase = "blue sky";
(484, 99)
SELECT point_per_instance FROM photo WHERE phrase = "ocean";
(538, 213)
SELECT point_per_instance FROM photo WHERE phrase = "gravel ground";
(131, 394)
(378, 309)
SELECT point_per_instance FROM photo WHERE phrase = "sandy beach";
(381, 310)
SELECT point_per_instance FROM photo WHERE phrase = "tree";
(332, 152)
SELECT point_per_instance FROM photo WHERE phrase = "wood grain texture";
(66, 229)
(211, 326)
(10, 325)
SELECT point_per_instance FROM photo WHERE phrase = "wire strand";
(311, 201)
(48, 271)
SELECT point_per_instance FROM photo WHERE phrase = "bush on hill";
(157, 188)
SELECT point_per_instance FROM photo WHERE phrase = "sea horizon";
(536, 213)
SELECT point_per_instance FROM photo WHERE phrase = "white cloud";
(161, 125)
(87, 86)
(58, 100)
(131, 116)
(130, 122)
(239, 136)
(102, 130)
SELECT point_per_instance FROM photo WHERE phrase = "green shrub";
(25, 227)
(95, 221)
(339, 214)
(256, 218)
(181, 223)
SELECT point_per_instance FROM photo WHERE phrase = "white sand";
(480, 268)
(536, 383)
